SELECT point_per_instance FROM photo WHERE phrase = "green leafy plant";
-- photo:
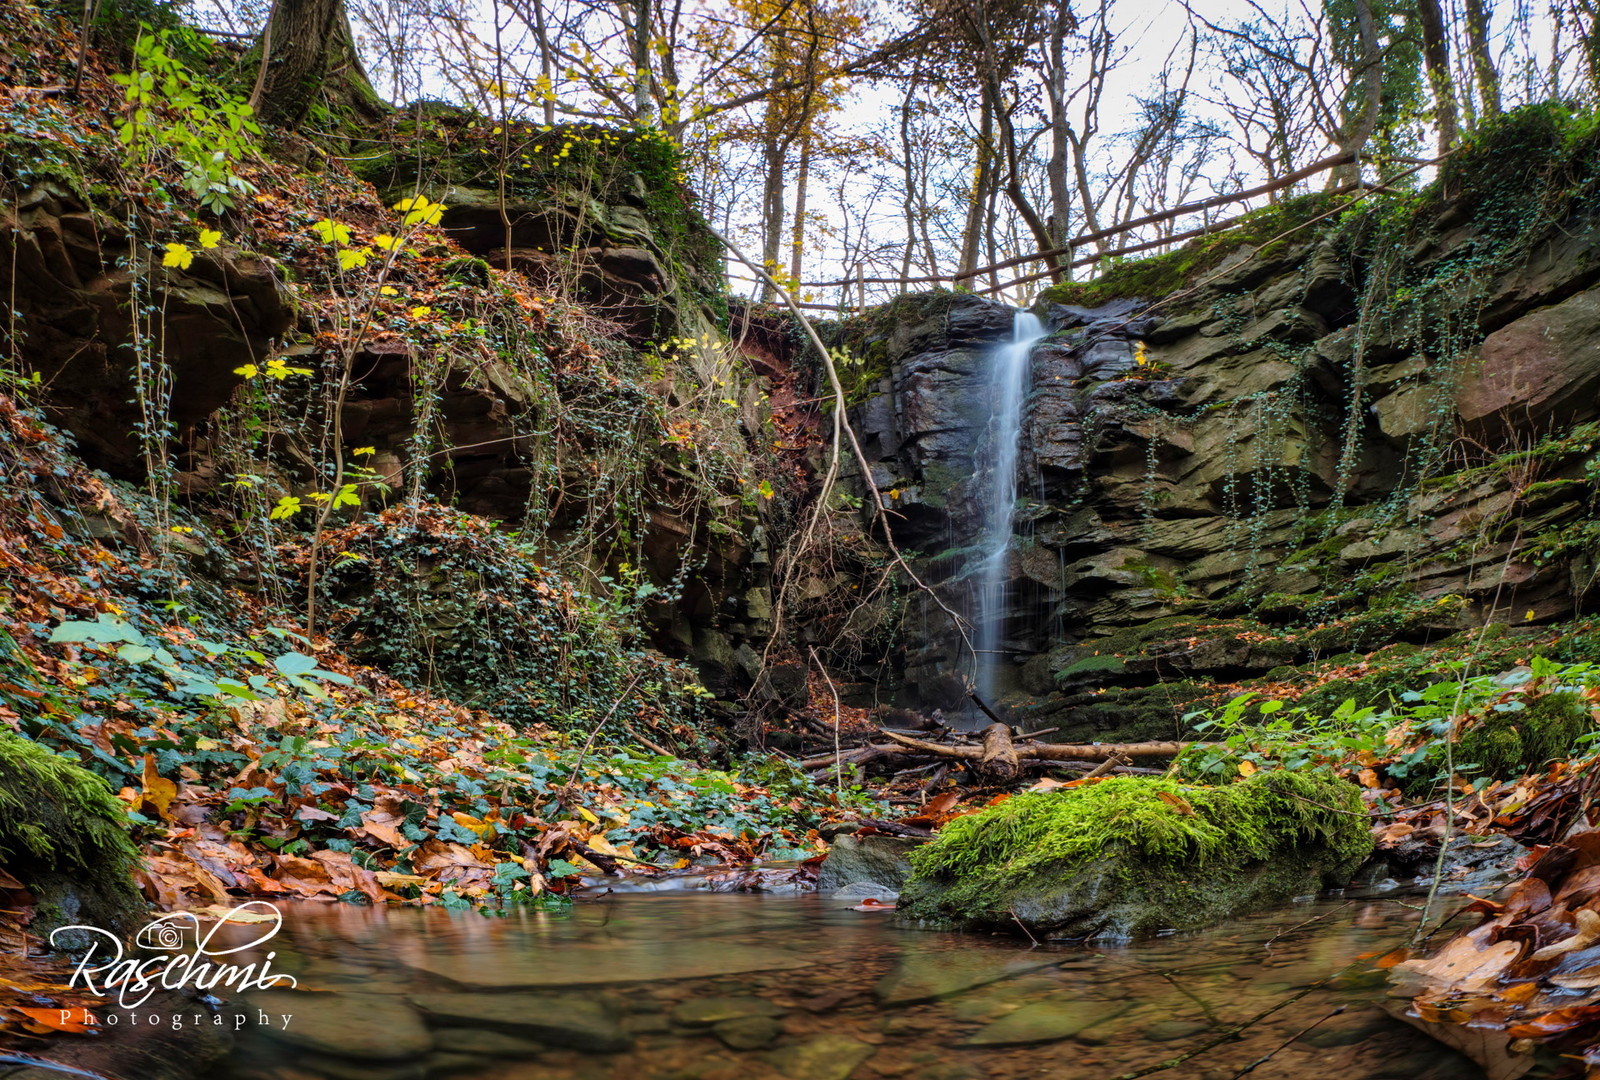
(181, 116)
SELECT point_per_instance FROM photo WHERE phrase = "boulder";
(878, 860)
(64, 836)
(1132, 857)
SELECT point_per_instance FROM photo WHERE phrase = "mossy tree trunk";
(309, 51)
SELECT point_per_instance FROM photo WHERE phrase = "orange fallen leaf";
(78, 1021)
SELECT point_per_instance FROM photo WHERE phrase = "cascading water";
(1008, 385)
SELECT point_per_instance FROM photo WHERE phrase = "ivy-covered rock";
(1130, 857)
(64, 835)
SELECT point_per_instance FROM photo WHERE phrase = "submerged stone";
(368, 1028)
(748, 1032)
(826, 1057)
(1047, 1021)
(703, 1012)
(1132, 857)
(577, 1023)
(927, 976)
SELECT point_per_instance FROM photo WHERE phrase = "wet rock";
(1047, 1021)
(879, 860)
(704, 1012)
(365, 1027)
(928, 976)
(1351, 1027)
(748, 1032)
(579, 1023)
(452, 1065)
(1172, 1030)
(826, 1057)
(343, 1069)
(624, 962)
(467, 1040)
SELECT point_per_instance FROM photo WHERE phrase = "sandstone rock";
(1541, 368)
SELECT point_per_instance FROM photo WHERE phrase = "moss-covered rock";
(1508, 743)
(1129, 857)
(64, 835)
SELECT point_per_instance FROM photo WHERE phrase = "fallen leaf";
(71, 1021)
(1177, 802)
(158, 793)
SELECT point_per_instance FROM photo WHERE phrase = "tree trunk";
(972, 233)
(304, 43)
(798, 243)
(1060, 223)
(643, 107)
(772, 211)
(1436, 54)
(1357, 130)
(546, 69)
(1483, 68)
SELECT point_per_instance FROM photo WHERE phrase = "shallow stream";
(726, 987)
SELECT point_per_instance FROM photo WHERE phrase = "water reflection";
(719, 987)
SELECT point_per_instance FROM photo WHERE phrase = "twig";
(1250, 1068)
(1227, 1036)
(842, 424)
(838, 773)
(1450, 743)
(589, 743)
(1012, 912)
(1267, 944)
(1110, 763)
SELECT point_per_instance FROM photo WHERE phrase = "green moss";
(1508, 743)
(1160, 275)
(65, 835)
(1134, 840)
(1093, 665)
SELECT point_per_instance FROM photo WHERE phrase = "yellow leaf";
(209, 238)
(249, 371)
(588, 815)
(389, 290)
(1247, 768)
(178, 255)
(467, 821)
(421, 312)
(158, 793)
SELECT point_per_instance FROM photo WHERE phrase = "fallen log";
(999, 757)
(1049, 751)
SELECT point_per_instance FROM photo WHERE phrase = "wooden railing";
(1050, 256)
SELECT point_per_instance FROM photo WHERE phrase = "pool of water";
(727, 987)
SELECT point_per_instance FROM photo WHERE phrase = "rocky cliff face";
(1322, 446)
(509, 434)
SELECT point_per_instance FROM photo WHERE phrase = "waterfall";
(1008, 385)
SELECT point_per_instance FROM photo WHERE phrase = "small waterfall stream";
(1008, 386)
